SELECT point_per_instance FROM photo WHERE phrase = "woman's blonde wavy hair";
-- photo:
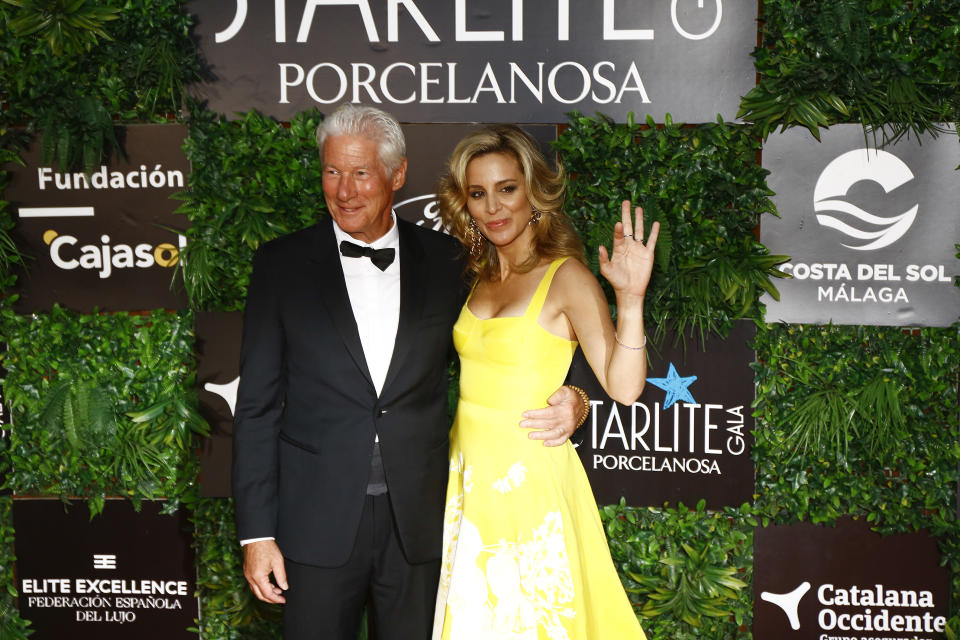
(554, 235)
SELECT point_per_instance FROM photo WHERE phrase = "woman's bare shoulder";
(573, 281)
(573, 272)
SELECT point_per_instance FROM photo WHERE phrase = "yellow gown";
(525, 555)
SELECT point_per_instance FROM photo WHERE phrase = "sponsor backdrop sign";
(871, 231)
(687, 437)
(103, 240)
(479, 60)
(121, 575)
(217, 343)
(814, 583)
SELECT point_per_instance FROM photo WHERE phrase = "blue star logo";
(675, 386)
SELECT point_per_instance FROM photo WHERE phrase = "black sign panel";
(217, 336)
(687, 437)
(121, 575)
(103, 240)
(479, 60)
(814, 582)
(871, 231)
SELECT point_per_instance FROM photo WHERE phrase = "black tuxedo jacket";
(307, 411)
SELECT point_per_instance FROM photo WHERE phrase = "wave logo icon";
(879, 166)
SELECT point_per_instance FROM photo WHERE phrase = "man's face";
(358, 191)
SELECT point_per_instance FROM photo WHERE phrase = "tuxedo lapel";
(333, 293)
(412, 272)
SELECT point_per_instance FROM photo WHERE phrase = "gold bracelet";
(586, 404)
(628, 347)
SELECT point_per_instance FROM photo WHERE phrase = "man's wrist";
(247, 541)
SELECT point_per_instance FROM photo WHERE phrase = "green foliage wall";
(103, 405)
(885, 63)
(858, 421)
(11, 624)
(230, 611)
(880, 62)
(73, 73)
(704, 186)
(687, 571)
(10, 257)
(863, 422)
(252, 181)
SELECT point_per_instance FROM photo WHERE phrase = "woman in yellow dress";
(525, 556)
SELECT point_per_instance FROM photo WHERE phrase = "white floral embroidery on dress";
(514, 478)
(468, 479)
(453, 512)
(468, 598)
(545, 575)
(524, 586)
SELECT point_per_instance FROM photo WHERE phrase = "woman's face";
(497, 198)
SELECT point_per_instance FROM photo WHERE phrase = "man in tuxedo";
(341, 433)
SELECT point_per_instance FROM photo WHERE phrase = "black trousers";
(326, 603)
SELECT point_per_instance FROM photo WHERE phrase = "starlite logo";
(461, 11)
(677, 387)
(863, 230)
(678, 436)
(104, 561)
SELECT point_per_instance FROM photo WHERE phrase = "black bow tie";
(381, 258)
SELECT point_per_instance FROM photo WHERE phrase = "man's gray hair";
(367, 122)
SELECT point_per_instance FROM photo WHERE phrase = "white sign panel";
(871, 231)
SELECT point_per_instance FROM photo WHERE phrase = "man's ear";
(400, 175)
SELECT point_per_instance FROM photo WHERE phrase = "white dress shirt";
(375, 299)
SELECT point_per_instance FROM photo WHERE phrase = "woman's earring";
(475, 238)
(535, 216)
